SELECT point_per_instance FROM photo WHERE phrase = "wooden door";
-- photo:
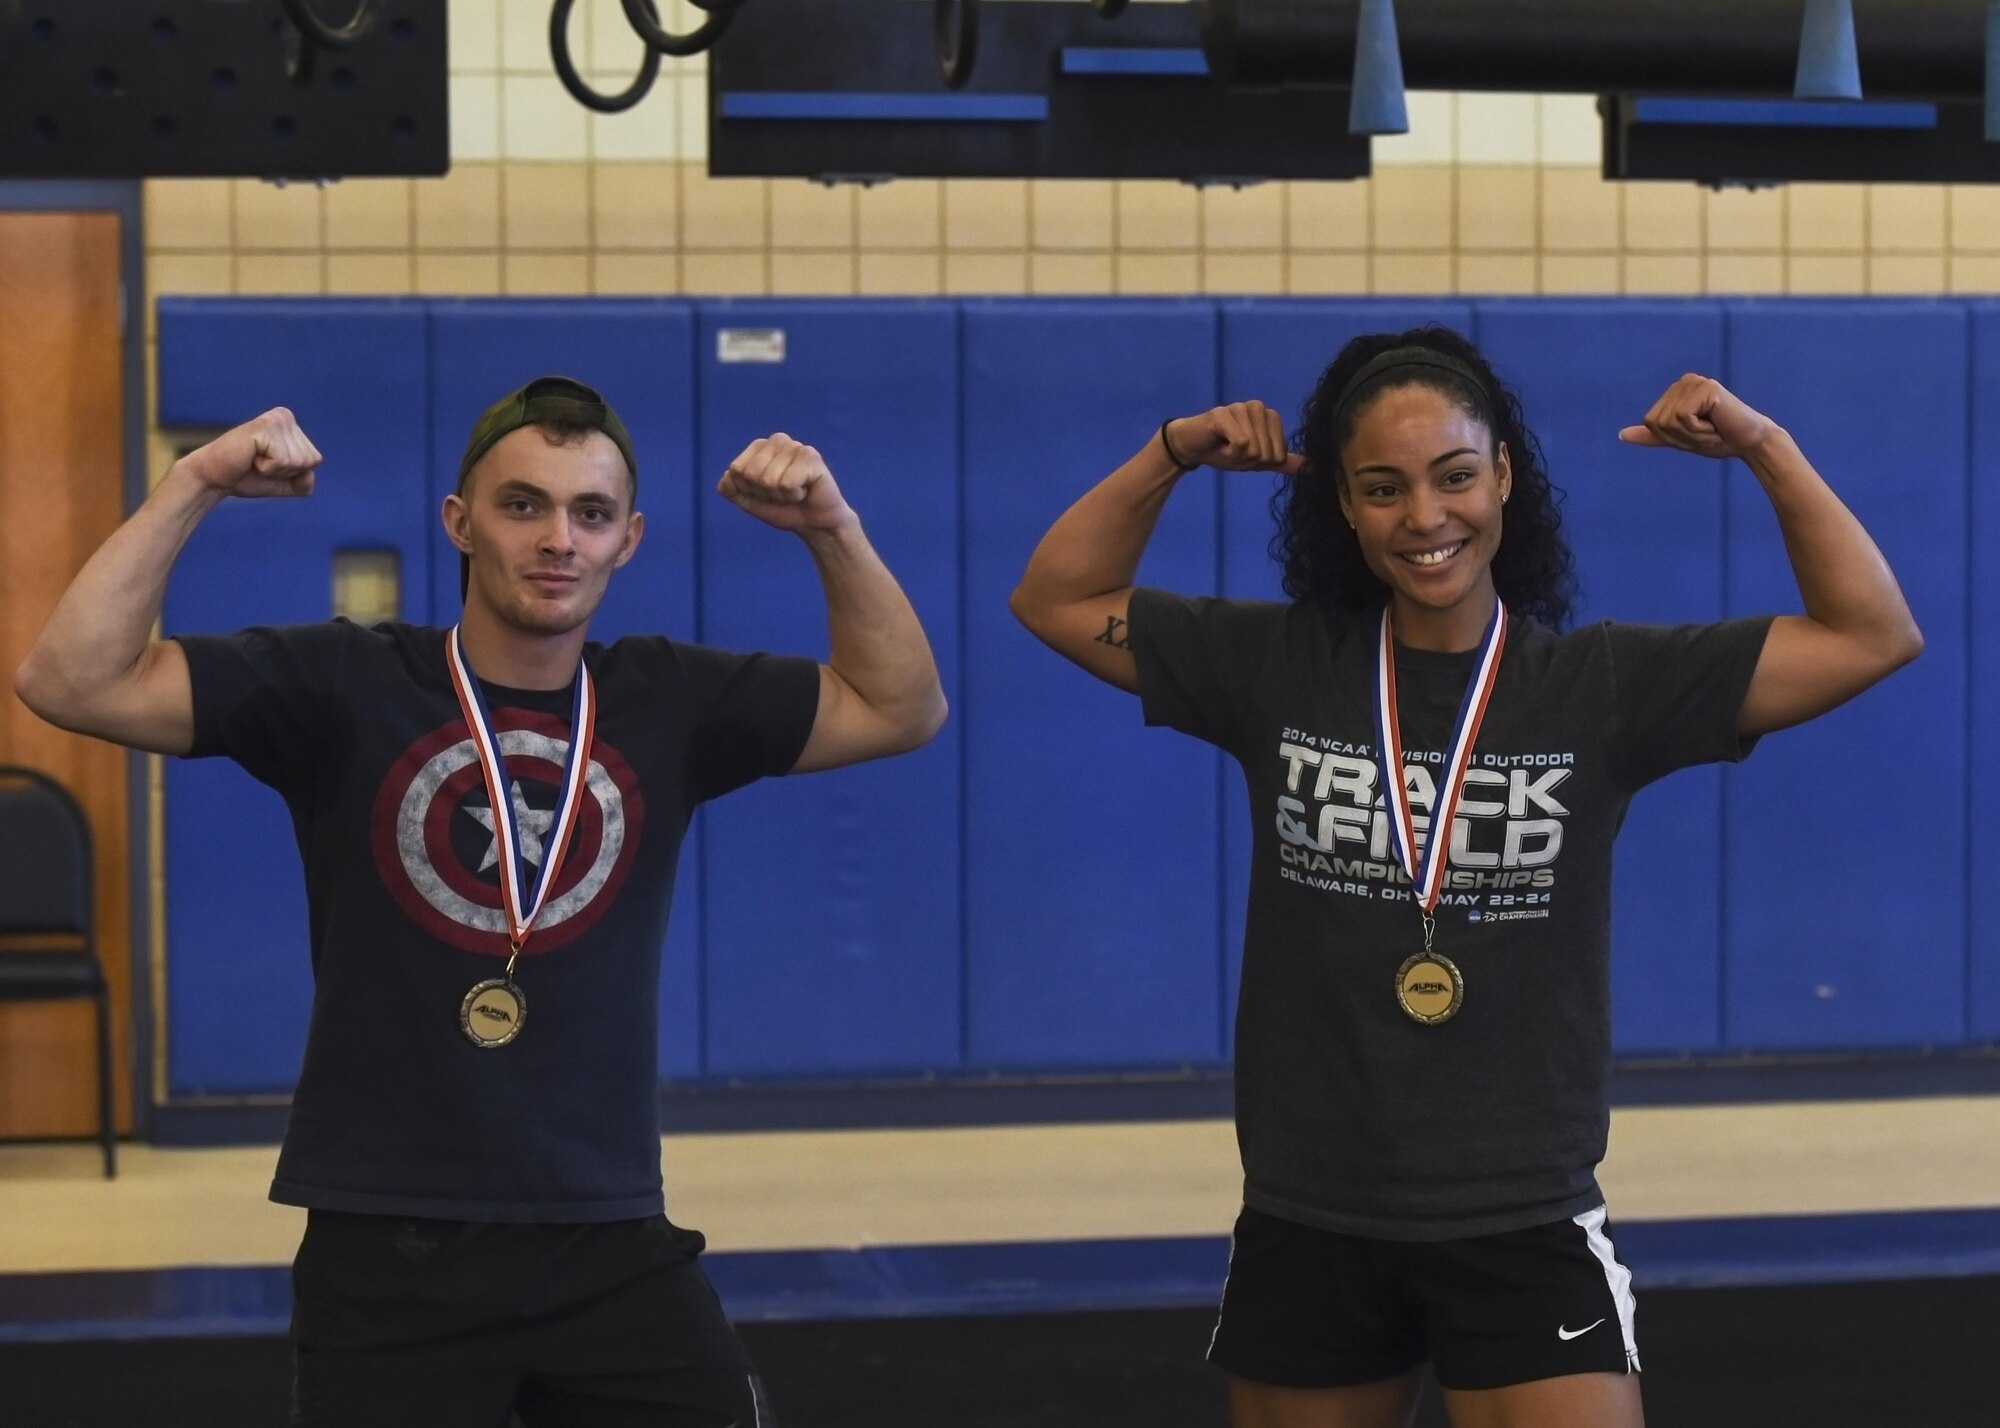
(61, 493)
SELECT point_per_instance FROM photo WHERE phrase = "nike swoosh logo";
(1567, 1334)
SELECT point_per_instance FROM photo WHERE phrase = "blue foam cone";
(1378, 74)
(1993, 71)
(1829, 60)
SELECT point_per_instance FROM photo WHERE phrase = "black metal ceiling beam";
(1102, 123)
(1910, 49)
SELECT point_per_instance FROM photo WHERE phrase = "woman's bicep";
(1094, 634)
(1804, 671)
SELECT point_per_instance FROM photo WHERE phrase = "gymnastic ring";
(957, 24)
(641, 15)
(330, 37)
(580, 90)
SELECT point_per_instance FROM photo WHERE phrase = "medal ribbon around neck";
(1427, 873)
(523, 897)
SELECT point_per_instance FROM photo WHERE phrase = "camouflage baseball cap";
(546, 399)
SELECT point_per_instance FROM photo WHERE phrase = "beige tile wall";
(664, 226)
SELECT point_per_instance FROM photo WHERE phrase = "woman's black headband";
(1407, 357)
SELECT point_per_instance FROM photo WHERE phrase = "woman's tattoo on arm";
(1117, 634)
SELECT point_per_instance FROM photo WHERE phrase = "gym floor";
(1831, 1263)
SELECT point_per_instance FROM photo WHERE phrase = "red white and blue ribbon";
(1427, 873)
(522, 896)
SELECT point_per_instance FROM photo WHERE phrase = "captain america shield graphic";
(438, 854)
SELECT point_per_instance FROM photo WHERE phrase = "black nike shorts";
(408, 1323)
(1308, 1308)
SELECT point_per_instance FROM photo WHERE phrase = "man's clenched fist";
(266, 456)
(785, 483)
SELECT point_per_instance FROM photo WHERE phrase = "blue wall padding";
(1092, 925)
(1646, 528)
(239, 982)
(1983, 640)
(354, 374)
(1844, 920)
(1275, 352)
(639, 354)
(833, 937)
(1050, 886)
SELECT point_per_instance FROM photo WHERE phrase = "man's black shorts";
(406, 1323)
(1308, 1308)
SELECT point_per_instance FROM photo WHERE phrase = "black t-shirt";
(1351, 1115)
(396, 1112)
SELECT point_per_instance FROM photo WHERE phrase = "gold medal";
(1429, 988)
(492, 1013)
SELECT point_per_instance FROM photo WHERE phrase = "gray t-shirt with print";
(1350, 1115)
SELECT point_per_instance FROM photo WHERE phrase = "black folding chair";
(46, 915)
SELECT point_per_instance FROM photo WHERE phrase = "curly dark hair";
(1533, 570)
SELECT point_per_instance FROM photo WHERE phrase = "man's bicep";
(844, 729)
(847, 729)
(152, 709)
(1095, 635)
